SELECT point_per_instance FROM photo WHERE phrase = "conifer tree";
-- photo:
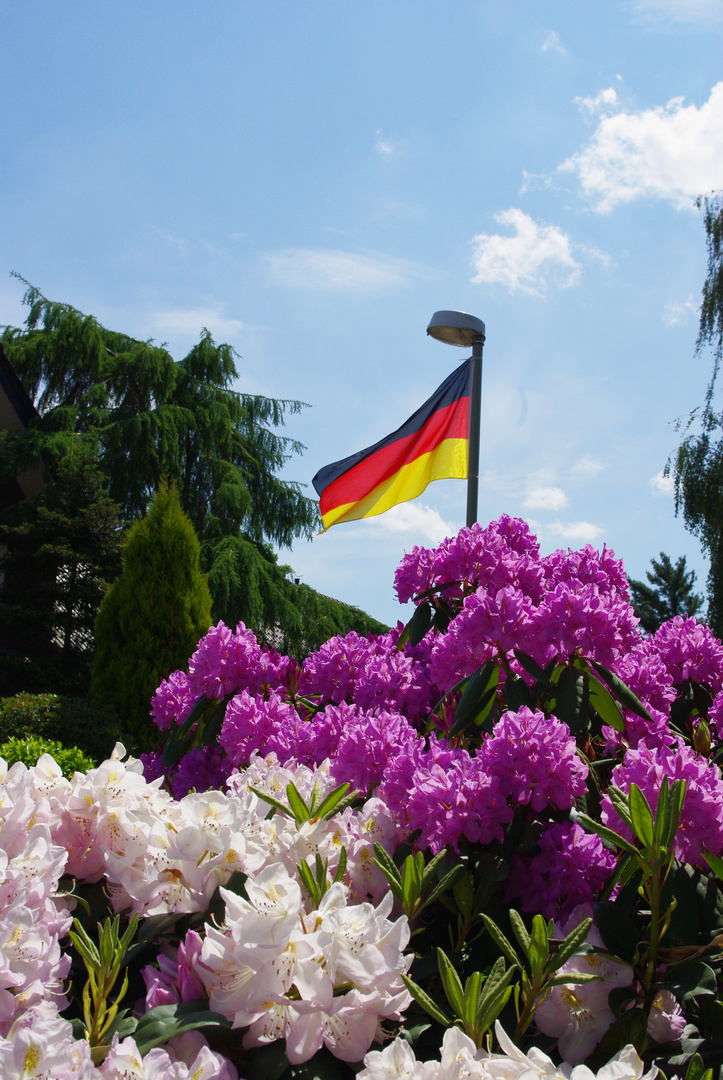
(669, 592)
(150, 417)
(152, 616)
(62, 550)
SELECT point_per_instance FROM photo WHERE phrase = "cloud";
(192, 320)
(661, 484)
(703, 12)
(586, 468)
(679, 314)
(324, 268)
(423, 522)
(382, 145)
(546, 498)
(672, 152)
(579, 532)
(526, 260)
(605, 101)
(552, 43)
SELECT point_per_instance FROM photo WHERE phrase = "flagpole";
(475, 407)
(459, 328)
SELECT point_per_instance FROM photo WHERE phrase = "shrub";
(92, 728)
(30, 749)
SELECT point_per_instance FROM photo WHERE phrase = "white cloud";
(546, 498)
(686, 11)
(578, 532)
(192, 320)
(526, 261)
(586, 468)
(552, 43)
(382, 145)
(324, 268)
(679, 314)
(672, 152)
(605, 101)
(423, 522)
(661, 484)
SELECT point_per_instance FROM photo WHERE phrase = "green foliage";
(70, 721)
(669, 593)
(63, 550)
(28, 750)
(154, 614)
(697, 467)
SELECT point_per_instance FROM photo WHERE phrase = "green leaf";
(426, 1002)
(420, 623)
(455, 874)
(539, 945)
(605, 705)
(411, 883)
(520, 931)
(276, 803)
(483, 680)
(163, 1022)
(517, 693)
(570, 945)
(451, 983)
(572, 698)
(331, 802)
(573, 978)
(618, 931)
(689, 980)
(214, 723)
(642, 816)
(342, 864)
(531, 667)
(606, 834)
(430, 869)
(623, 693)
(298, 807)
(175, 743)
(388, 867)
(696, 1069)
(501, 941)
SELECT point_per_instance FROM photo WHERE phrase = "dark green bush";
(91, 728)
(28, 750)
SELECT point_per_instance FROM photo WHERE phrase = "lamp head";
(456, 328)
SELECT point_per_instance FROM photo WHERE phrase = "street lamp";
(459, 328)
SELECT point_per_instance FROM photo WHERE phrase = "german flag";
(431, 445)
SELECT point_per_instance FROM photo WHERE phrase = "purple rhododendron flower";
(535, 759)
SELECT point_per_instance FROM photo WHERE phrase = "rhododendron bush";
(486, 844)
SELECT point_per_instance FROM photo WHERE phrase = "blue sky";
(312, 180)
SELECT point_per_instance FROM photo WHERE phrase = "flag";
(431, 445)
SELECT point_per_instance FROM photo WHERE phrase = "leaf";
(276, 803)
(690, 980)
(517, 693)
(175, 743)
(483, 679)
(642, 816)
(268, 1062)
(604, 833)
(420, 623)
(572, 698)
(570, 945)
(214, 723)
(451, 983)
(696, 1069)
(330, 804)
(163, 1022)
(539, 945)
(426, 1002)
(450, 879)
(605, 705)
(531, 667)
(388, 867)
(520, 931)
(617, 930)
(501, 941)
(298, 807)
(623, 692)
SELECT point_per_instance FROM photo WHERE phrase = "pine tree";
(63, 549)
(154, 614)
(669, 593)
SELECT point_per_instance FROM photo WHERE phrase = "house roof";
(17, 398)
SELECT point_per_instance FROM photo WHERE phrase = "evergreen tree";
(152, 617)
(63, 549)
(669, 593)
(698, 465)
(151, 417)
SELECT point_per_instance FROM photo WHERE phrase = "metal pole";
(475, 406)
